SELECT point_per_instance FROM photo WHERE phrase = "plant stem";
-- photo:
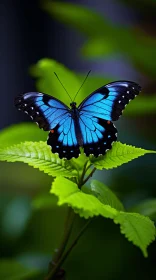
(67, 231)
(62, 259)
(88, 177)
(82, 175)
(59, 257)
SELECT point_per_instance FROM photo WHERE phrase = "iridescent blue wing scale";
(51, 114)
(98, 135)
(97, 112)
(45, 110)
(63, 139)
(109, 101)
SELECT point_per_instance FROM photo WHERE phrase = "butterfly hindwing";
(109, 101)
(98, 135)
(62, 139)
(45, 110)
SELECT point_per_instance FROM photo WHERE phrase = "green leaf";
(105, 38)
(96, 47)
(38, 155)
(138, 229)
(142, 105)
(146, 208)
(11, 270)
(86, 205)
(118, 155)
(44, 201)
(21, 132)
(77, 16)
(47, 82)
(105, 195)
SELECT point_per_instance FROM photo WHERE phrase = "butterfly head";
(73, 105)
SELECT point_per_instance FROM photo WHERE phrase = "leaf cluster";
(69, 186)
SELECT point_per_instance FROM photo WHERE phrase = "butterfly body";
(76, 115)
(89, 125)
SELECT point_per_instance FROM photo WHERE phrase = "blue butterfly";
(89, 125)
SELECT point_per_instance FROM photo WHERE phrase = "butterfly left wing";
(109, 101)
(51, 114)
(98, 135)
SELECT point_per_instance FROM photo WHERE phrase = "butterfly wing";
(98, 111)
(98, 135)
(45, 110)
(62, 139)
(51, 114)
(109, 101)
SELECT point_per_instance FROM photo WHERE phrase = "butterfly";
(89, 125)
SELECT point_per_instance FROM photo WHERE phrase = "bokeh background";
(116, 40)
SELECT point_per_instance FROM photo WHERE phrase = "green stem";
(62, 259)
(82, 175)
(89, 176)
(59, 258)
(67, 231)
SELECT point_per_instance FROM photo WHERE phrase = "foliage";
(104, 38)
(87, 202)
(19, 133)
(121, 153)
(138, 229)
(12, 270)
(146, 207)
(38, 155)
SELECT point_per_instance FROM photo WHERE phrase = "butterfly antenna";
(62, 85)
(82, 84)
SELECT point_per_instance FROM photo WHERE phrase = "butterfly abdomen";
(75, 116)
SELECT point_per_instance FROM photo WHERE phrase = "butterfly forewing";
(45, 110)
(109, 101)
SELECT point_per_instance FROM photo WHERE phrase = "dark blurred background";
(28, 237)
